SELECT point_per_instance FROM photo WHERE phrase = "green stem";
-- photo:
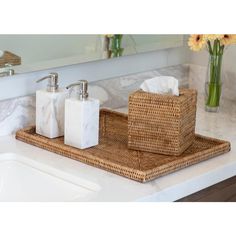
(116, 48)
(214, 84)
(209, 47)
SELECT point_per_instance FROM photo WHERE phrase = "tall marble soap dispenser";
(81, 118)
(50, 108)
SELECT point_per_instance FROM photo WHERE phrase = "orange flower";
(213, 36)
(228, 39)
(196, 42)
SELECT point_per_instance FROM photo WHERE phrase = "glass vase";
(213, 84)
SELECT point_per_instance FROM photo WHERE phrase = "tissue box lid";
(165, 98)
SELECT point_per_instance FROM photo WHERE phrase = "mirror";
(27, 53)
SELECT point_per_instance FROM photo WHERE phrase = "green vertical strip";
(214, 82)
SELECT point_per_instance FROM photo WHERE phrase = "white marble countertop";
(168, 188)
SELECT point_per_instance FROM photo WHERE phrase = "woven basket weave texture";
(113, 155)
(10, 58)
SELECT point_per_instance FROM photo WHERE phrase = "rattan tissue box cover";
(162, 124)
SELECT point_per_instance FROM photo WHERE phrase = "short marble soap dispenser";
(81, 118)
(50, 108)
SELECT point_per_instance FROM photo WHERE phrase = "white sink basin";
(23, 179)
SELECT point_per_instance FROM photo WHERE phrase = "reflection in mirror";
(26, 53)
(116, 45)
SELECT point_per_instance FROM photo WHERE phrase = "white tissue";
(161, 85)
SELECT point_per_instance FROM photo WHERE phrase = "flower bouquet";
(215, 45)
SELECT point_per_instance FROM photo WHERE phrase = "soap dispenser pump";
(81, 118)
(50, 108)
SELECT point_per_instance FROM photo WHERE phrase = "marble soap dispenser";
(50, 108)
(81, 118)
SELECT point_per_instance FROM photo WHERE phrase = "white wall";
(24, 84)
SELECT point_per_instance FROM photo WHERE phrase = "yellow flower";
(228, 39)
(196, 42)
(109, 35)
(213, 36)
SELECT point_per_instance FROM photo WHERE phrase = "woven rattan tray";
(113, 155)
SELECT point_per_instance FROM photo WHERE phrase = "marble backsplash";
(197, 77)
(16, 113)
(112, 93)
